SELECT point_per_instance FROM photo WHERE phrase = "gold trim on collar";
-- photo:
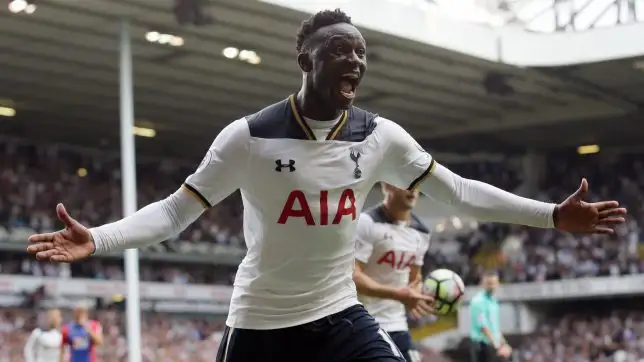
(305, 127)
(338, 126)
(307, 130)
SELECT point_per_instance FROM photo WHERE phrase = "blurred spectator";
(589, 332)
(165, 339)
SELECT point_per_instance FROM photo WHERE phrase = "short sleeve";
(477, 315)
(405, 163)
(364, 238)
(222, 170)
(423, 247)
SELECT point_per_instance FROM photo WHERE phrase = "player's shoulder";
(361, 124)
(417, 224)
(390, 132)
(478, 299)
(269, 122)
(386, 124)
(236, 131)
(376, 214)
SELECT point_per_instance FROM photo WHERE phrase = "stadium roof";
(60, 72)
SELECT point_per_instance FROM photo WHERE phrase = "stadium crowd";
(527, 254)
(589, 332)
(166, 338)
(34, 178)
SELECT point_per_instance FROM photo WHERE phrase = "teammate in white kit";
(44, 344)
(391, 244)
(304, 167)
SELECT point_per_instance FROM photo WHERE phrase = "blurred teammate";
(43, 344)
(391, 244)
(304, 167)
(488, 343)
(82, 336)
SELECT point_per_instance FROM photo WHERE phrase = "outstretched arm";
(222, 171)
(485, 202)
(152, 224)
(407, 165)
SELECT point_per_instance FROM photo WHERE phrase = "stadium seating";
(166, 339)
(526, 254)
(34, 179)
(593, 332)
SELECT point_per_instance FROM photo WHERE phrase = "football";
(447, 289)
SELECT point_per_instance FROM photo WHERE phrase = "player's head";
(399, 199)
(81, 312)
(332, 55)
(54, 318)
(490, 281)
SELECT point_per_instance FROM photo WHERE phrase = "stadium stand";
(167, 338)
(33, 177)
(525, 255)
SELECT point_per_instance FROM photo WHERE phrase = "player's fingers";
(46, 255)
(37, 248)
(39, 238)
(59, 258)
(415, 314)
(426, 298)
(606, 205)
(64, 216)
(611, 221)
(581, 192)
(603, 230)
(425, 308)
(619, 211)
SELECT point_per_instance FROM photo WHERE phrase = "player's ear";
(304, 61)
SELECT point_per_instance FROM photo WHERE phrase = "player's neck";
(396, 214)
(313, 108)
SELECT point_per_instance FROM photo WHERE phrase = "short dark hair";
(317, 21)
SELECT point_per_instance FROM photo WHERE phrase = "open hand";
(72, 243)
(574, 215)
(419, 304)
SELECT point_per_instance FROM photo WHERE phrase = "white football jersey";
(43, 346)
(302, 195)
(389, 248)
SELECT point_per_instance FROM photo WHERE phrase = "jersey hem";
(234, 322)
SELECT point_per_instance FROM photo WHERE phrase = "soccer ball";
(447, 289)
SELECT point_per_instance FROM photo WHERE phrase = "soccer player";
(82, 336)
(304, 167)
(391, 244)
(43, 345)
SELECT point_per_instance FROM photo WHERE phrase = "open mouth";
(348, 85)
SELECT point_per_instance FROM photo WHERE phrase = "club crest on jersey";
(355, 156)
